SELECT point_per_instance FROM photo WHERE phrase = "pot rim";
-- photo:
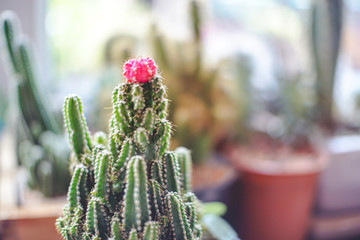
(281, 168)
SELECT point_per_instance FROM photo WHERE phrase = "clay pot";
(277, 206)
(276, 197)
(29, 228)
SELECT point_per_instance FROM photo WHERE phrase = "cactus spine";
(132, 187)
(37, 131)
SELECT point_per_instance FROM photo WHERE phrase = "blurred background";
(266, 94)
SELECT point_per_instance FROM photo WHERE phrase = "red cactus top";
(139, 70)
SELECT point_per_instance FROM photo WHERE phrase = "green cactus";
(131, 187)
(326, 28)
(21, 64)
(38, 130)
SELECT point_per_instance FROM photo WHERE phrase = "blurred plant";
(287, 114)
(3, 107)
(117, 50)
(214, 226)
(238, 99)
(191, 88)
(326, 28)
(218, 228)
(40, 146)
(291, 119)
(290, 122)
(282, 113)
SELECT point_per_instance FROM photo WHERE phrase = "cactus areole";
(127, 184)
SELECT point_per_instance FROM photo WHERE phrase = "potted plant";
(277, 172)
(127, 185)
(279, 177)
(276, 189)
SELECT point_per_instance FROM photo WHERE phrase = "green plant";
(290, 114)
(214, 226)
(326, 27)
(36, 128)
(3, 107)
(127, 185)
(239, 93)
(191, 88)
(117, 50)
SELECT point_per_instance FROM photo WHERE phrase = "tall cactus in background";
(40, 147)
(128, 185)
(31, 102)
(326, 35)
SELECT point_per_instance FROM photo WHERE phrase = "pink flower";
(139, 70)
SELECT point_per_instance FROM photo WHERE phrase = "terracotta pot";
(276, 206)
(29, 228)
(276, 192)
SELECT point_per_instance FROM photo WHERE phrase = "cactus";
(46, 160)
(19, 53)
(128, 185)
(326, 26)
